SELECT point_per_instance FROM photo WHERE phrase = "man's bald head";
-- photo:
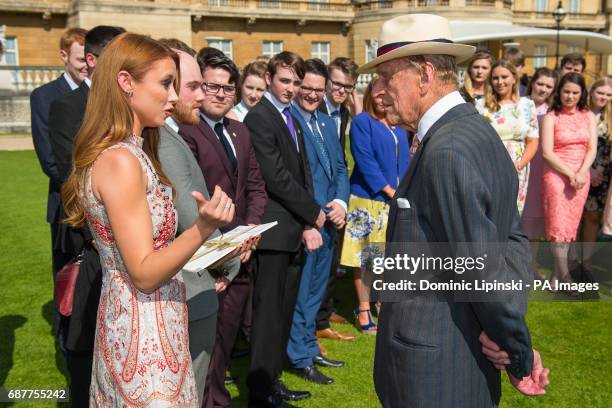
(190, 94)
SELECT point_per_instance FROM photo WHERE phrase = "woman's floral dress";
(514, 123)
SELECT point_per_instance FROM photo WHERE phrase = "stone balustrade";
(20, 78)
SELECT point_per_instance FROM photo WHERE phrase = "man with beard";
(184, 172)
(222, 147)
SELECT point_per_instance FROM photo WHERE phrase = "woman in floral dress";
(381, 156)
(141, 350)
(601, 170)
(515, 120)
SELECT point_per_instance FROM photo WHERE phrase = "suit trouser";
(201, 343)
(79, 365)
(327, 304)
(302, 346)
(231, 305)
(277, 280)
(58, 257)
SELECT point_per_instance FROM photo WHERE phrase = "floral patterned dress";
(514, 123)
(596, 200)
(563, 205)
(141, 350)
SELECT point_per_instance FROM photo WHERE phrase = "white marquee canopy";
(476, 31)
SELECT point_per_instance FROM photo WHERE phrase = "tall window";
(271, 48)
(539, 56)
(218, 2)
(318, 5)
(11, 56)
(371, 47)
(321, 50)
(541, 6)
(574, 7)
(223, 45)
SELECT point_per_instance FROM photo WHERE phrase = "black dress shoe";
(327, 362)
(239, 353)
(273, 401)
(228, 380)
(289, 395)
(311, 373)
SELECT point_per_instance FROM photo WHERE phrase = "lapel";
(63, 84)
(458, 110)
(211, 136)
(310, 135)
(234, 135)
(280, 123)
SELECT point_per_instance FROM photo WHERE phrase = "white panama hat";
(416, 34)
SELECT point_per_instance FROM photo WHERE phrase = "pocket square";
(403, 203)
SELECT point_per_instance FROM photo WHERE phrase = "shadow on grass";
(49, 313)
(8, 325)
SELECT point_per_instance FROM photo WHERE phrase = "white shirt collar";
(87, 82)
(436, 111)
(172, 123)
(73, 85)
(331, 107)
(209, 121)
(277, 104)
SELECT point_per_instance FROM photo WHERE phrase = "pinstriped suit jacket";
(462, 187)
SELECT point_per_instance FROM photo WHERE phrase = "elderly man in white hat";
(460, 188)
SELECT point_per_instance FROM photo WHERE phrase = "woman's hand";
(215, 213)
(518, 166)
(579, 180)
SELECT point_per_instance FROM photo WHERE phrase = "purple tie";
(291, 126)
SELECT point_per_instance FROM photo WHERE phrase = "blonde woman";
(515, 120)
(117, 186)
(601, 170)
(477, 74)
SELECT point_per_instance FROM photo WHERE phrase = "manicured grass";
(573, 337)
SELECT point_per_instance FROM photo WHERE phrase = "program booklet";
(215, 249)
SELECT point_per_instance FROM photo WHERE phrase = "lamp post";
(559, 14)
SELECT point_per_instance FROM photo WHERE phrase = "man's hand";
(495, 355)
(532, 385)
(320, 222)
(535, 383)
(312, 239)
(337, 214)
(221, 284)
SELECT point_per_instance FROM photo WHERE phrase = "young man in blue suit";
(331, 192)
(73, 57)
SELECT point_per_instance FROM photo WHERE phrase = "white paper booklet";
(215, 249)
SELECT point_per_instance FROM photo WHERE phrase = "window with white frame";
(320, 50)
(11, 55)
(541, 6)
(220, 3)
(574, 7)
(539, 56)
(221, 44)
(371, 47)
(271, 48)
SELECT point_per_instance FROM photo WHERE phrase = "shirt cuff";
(342, 204)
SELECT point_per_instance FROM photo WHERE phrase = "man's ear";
(90, 60)
(64, 56)
(428, 75)
(124, 79)
(268, 78)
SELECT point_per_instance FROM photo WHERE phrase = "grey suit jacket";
(183, 171)
(462, 187)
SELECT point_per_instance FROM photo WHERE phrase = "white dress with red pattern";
(141, 351)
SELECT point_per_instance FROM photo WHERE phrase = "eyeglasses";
(308, 90)
(213, 89)
(336, 86)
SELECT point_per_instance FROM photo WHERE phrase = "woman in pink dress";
(540, 91)
(569, 145)
(141, 349)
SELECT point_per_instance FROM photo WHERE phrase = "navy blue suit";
(330, 181)
(40, 101)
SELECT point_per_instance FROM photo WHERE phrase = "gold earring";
(129, 94)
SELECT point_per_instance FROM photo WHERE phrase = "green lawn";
(574, 338)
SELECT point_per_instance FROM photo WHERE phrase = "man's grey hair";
(445, 66)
